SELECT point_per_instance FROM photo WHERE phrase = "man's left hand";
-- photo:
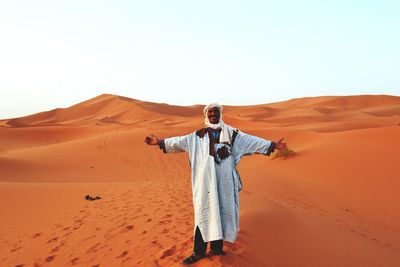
(280, 145)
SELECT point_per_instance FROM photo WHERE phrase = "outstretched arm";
(246, 144)
(172, 144)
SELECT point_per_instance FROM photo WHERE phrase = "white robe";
(216, 186)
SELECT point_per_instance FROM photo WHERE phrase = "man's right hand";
(151, 140)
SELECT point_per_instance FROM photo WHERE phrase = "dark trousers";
(200, 247)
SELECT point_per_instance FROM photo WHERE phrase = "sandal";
(192, 258)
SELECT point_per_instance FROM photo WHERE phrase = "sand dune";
(333, 204)
(107, 109)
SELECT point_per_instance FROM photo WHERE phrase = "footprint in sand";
(122, 255)
(88, 238)
(122, 224)
(236, 248)
(388, 245)
(52, 240)
(68, 233)
(168, 252)
(93, 248)
(74, 261)
(51, 258)
(37, 235)
(127, 228)
(15, 249)
(57, 248)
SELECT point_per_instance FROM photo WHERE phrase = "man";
(214, 152)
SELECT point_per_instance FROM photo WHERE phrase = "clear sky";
(58, 53)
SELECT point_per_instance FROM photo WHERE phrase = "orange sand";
(336, 203)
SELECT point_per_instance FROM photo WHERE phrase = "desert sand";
(334, 203)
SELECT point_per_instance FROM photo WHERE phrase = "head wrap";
(226, 130)
(206, 120)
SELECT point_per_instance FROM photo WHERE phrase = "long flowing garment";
(215, 180)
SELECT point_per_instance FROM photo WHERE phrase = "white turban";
(226, 130)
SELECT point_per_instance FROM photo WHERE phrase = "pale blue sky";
(58, 53)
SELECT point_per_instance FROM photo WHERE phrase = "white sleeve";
(176, 144)
(246, 144)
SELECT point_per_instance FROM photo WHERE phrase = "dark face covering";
(213, 115)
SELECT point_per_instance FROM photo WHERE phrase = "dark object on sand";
(87, 197)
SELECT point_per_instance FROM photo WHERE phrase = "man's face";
(213, 115)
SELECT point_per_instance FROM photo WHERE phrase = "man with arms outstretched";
(214, 152)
